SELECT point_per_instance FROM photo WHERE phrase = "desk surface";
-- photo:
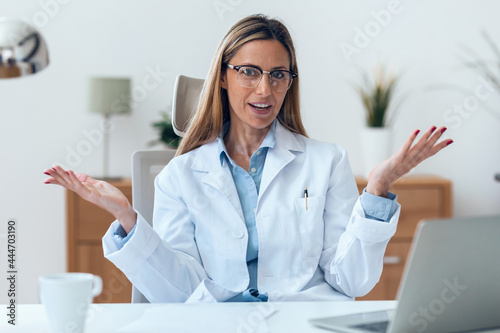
(222, 317)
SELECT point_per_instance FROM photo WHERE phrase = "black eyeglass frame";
(262, 72)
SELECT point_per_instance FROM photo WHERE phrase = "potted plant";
(166, 132)
(377, 97)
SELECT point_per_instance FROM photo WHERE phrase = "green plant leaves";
(166, 132)
(377, 97)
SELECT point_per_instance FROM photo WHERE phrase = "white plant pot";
(376, 144)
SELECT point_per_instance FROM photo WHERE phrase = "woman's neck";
(241, 142)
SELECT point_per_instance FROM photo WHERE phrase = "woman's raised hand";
(408, 157)
(97, 192)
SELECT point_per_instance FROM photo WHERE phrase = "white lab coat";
(197, 250)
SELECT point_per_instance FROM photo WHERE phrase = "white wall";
(45, 116)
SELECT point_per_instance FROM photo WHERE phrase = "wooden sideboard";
(421, 197)
(86, 225)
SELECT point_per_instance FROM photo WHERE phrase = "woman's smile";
(260, 108)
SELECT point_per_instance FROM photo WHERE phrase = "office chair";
(147, 164)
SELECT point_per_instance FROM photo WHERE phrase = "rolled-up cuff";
(120, 235)
(370, 230)
(379, 208)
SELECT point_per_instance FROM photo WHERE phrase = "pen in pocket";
(305, 196)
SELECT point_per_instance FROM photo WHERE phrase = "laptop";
(451, 282)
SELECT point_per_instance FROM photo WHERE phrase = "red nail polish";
(433, 128)
(48, 174)
(54, 169)
(46, 182)
(444, 129)
(417, 131)
(449, 142)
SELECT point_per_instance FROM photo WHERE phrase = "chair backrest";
(147, 164)
(186, 96)
(145, 167)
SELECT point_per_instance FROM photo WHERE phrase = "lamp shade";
(109, 96)
(23, 50)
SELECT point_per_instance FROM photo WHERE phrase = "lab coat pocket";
(311, 224)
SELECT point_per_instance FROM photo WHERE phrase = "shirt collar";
(269, 140)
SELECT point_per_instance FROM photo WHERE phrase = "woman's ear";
(223, 80)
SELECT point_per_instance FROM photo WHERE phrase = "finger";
(54, 173)
(431, 148)
(427, 149)
(73, 179)
(52, 181)
(60, 171)
(60, 175)
(425, 144)
(425, 138)
(435, 136)
(49, 181)
(50, 172)
(429, 132)
(441, 145)
(409, 142)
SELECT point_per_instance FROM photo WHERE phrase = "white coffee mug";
(66, 297)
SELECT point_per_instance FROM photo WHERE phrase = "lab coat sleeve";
(354, 245)
(162, 271)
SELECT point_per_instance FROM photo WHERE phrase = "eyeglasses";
(250, 76)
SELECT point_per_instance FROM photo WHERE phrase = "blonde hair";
(213, 107)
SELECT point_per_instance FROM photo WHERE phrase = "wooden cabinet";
(421, 197)
(86, 225)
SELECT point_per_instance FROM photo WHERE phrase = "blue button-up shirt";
(248, 186)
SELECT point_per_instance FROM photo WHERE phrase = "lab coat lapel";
(279, 156)
(219, 177)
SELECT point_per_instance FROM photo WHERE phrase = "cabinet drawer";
(416, 205)
(91, 222)
(116, 288)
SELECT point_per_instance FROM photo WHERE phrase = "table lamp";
(23, 50)
(108, 97)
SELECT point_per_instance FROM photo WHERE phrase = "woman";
(251, 209)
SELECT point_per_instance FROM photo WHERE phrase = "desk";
(218, 318)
